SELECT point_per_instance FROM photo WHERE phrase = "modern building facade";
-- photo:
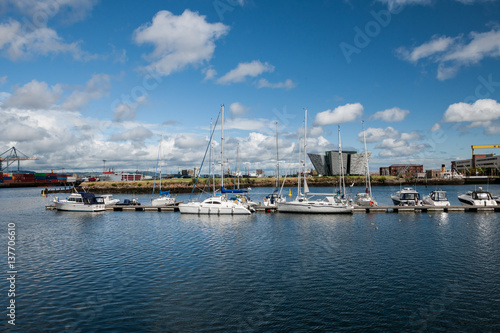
(489, 162)
(329, 163)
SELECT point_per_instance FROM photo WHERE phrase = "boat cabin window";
(482, 196)
(410, 196)
(439, 196)
(213, 203)
(75, 199)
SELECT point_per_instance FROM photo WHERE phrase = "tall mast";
(210, 156)
(238, 164)
(305, 148)
(367, 171)
(222, 148)
(277, 159)
(342, 181)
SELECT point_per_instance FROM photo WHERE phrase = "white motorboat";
(272, 200)
(328, 204)
(81, 202)
(477, 198)
(436, 198)
(108, 200)
(408, 196)
(218, 204)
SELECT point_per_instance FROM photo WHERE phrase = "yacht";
(436, 198)
(218, 204)
(408, 196)
(477, 198)
(165, 199)
(328, 204)
(366, 198)
(108, 200)
(81, 202)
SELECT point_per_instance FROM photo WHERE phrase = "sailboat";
(218, 204)
(365, 198)
(303, 203)
(271, 200)
(165, 199)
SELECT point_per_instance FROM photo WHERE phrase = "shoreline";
(186, 185)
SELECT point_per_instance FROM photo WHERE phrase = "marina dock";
(358, 210)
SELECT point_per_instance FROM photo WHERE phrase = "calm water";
(166, 272)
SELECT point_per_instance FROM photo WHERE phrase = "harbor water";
(268, 272)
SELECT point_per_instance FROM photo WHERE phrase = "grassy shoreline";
(186, 185)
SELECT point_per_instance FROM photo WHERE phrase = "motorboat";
(477, 198)
(108, 200)
(408, 196)
(436, 198)
(165, 199)
(216, 205)
(81, 202)
(129, 202)
(272, 200)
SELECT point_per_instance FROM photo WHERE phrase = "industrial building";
(329, 164)
(402, 170)
(489, 162)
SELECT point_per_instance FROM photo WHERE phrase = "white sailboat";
(366, 198)
(304, 203)
(271, 200)
(218, 204)
(165, 199)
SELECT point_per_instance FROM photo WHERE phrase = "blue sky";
(83, 81)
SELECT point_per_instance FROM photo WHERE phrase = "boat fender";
(235, 201)
(372, 203)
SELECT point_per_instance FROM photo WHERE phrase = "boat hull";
(313, 208)
(465, 200)
(77, 207)
(225, 208)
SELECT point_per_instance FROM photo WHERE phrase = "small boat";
(408, 196)
(216, 205)
(272, 200)
(81, 202)
(109, 201)
(129, 202)
(436, 198)
(477, 198)
(165, 199)
(366, 198)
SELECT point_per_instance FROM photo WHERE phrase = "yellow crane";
(483, 147)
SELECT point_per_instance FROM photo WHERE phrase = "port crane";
(482, 147)
(12, 155)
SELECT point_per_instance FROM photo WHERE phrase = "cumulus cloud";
(480, 110)
(139, 133)
(341, 114)
(126, 111)
(411, 136)
(179, 41)
(391, 115)
(210, 73)
(98, 86)
(34, 95)
(287, 84)
(378, 134)
(397, 148)
(245, 69)
(435, 127)
(41, 10)
(238, 109)
(453, 53)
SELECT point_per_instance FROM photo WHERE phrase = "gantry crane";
(480, 147)
(12, 155)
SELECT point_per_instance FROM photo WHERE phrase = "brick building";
(402, 170)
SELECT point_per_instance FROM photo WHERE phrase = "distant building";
(402, 170)
(489, 161)
(329, 164)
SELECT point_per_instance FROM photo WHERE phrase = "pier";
(356, 210)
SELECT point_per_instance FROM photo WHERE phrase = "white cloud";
(210, 73)
(391, 115)
(287, 84)
(378, 134)
(125, 111)
(480, 110)
(19, 43)
(42, 10)
(139, 133)
(34, 95)
(411, 136)
(97, 86)
(244, 69)
(453, 53)
(179, 41)
(238, 109)
(436, 127)
(398, 148)
(341, 114)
